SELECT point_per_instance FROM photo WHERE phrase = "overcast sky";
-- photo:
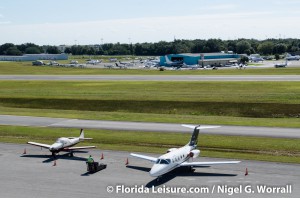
(55, 22)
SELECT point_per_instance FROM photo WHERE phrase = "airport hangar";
(202, 59)
(35, 57)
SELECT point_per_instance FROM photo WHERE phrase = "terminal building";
(34, 57)
(203, 59)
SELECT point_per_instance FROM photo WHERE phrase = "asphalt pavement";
(33, 176)
(147, 126)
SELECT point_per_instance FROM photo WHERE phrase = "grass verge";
(253, 148)
(26, 68)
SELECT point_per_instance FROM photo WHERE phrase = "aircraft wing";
(195, 164)
(78, 148)
(39, 144)
(151, 159)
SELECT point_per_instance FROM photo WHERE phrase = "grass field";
(270, 149)
(237, 103)
(26, 68)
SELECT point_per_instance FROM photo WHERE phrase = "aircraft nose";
(56, 146)
(157, 170)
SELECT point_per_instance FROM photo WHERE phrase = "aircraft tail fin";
(167, 60)
(81, 137)
(194, 138)
(81, 134)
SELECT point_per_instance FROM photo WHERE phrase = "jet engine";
(171, 149)
(194, 153)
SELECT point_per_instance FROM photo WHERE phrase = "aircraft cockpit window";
(59, 141)
(164, 161)
(157, 161)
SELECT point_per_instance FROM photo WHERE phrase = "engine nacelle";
(171, 149)
(194, 153)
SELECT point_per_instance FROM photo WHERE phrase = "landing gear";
(158, 179)
(53, 155)
(71, 154)
(191, 169)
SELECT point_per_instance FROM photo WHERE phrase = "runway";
(33, 175)
(155, 77)
(146, 126)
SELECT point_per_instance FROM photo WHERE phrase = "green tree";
(5, 47)
(32, 50)
(243, 47)
(266, 48)
(279, 48)
(13, 51)
(52, 50)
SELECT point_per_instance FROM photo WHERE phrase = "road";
(155, 77)
(33, 175)
(146, 126)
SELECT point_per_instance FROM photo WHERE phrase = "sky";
(69, 22)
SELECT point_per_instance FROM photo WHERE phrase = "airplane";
(290, 57)
(173, 63)
(255, 59)
(64, 144)
(281, 64)
(179, 157)
(93, 62)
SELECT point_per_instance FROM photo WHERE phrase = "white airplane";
(93, 62)
(178, 157)
(65, 144)
(173, 63)
(277, 65)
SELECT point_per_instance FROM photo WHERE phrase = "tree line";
(239, 46)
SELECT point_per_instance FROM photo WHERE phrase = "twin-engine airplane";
(65, 144)
(178, 157)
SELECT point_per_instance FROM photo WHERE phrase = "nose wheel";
(158, 179)
(53, 155)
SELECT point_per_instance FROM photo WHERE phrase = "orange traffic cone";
(127, 162)
(54, 164)
(24, 151)
(102, 156)
(246, 173)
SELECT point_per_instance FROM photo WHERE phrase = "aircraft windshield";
(59, 141)
(163, 161)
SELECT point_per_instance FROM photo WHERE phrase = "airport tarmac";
(146, 126)
(155, 77)
(33, 175)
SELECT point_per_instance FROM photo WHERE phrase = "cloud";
(153, 29)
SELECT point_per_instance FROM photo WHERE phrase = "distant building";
(202, 59)
(34, 57)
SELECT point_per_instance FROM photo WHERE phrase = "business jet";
(65, 144)
(173, 63)
(179, 157)
(277, 65)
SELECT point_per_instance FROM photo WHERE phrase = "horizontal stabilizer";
(195, 164)
(86, 138)
(151, 159)
(200, 127)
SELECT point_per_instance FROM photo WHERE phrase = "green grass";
(227, 103)
(236, 99)
(147, 117)
(26, 68)
(256, 148)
